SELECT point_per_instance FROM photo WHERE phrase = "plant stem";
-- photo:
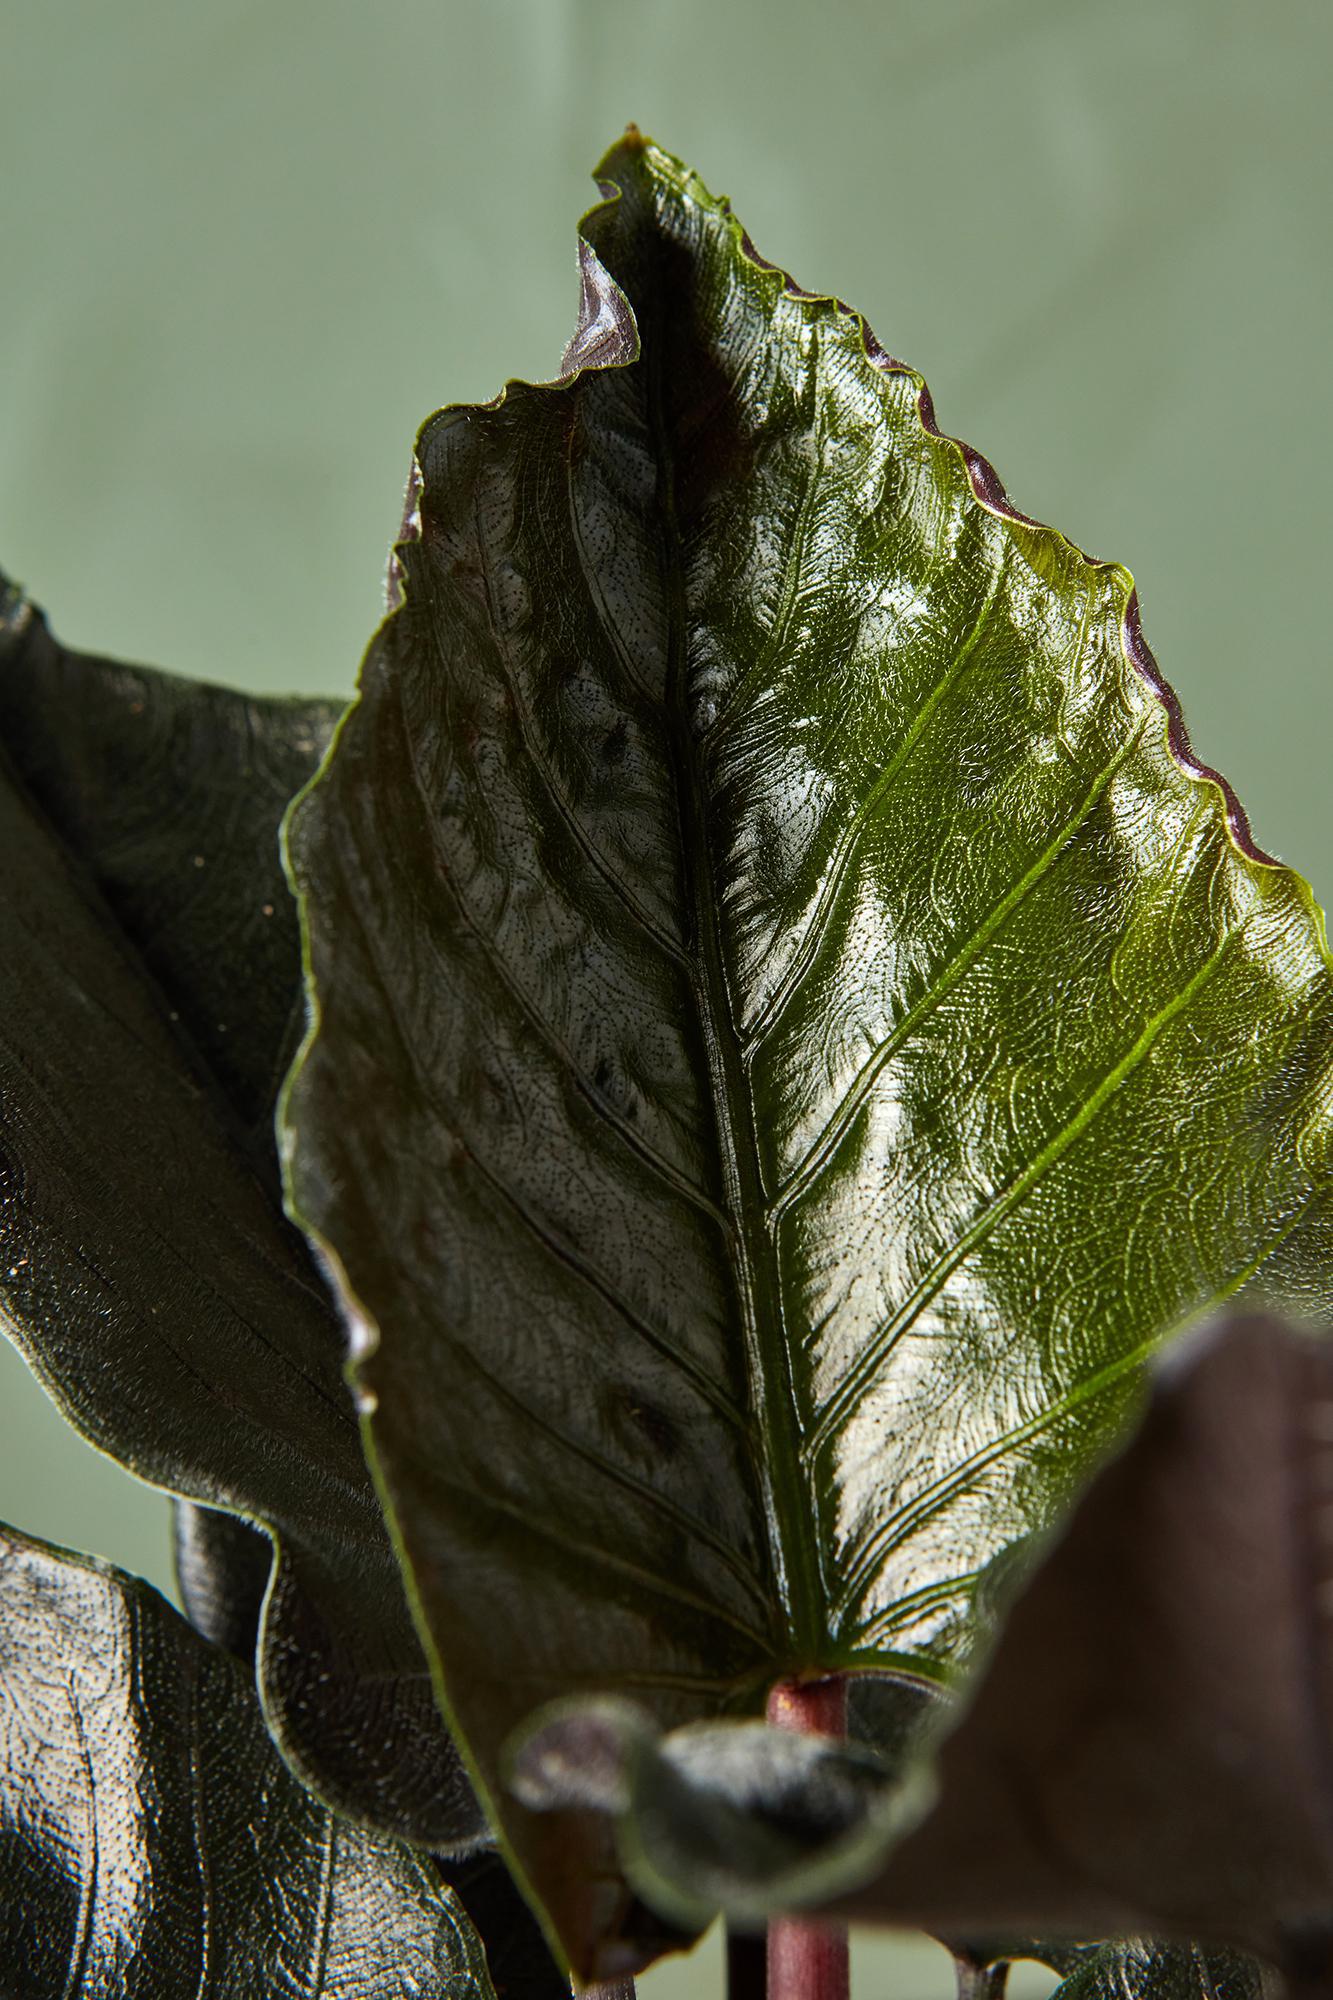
(980, 1982)
(808, 1960)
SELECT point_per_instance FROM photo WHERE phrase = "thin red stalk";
(808, 1960)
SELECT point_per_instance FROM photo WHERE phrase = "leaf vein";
(563, 807)
(547, 1528)
(574, 1261)
(654, 1160)
(788, 595)
(928, 1503)
(844, 849)
(688, 1524)
(840, 1405)
(824, 1148)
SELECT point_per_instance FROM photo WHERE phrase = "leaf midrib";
(750, 1244)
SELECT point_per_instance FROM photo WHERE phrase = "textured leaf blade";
(152, 1842)
(169, 793)
(1165, 1972)
(1147, 1749)
(150, 988)
(1129, 1969)
(794, 1029)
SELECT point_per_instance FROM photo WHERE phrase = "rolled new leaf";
(793, 1025)
(718, 1817)
(151, 1841)
(149, 992)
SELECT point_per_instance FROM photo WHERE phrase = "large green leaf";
(151, 1842)
(793, 1026)
(1146, 1750)
(147, 990)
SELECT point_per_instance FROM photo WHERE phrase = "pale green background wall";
(247, 245)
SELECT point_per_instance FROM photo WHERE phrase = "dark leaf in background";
(519, 1958)
(170, 794)
(222, 1572)
(148, 997)
(796, 1026)
(152, 1842)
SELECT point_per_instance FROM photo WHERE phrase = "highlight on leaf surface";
(1145, 1752)
(793, 1028)
(1135, 1967)
(1164, 1972)
(150, 998)
(151, 1840)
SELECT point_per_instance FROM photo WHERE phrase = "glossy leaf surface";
(1164, 1972)
(794, 1027)
(1148, 1748)
(147, 989)
(152, 1842)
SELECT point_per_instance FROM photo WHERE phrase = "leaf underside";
(151, 1841)
(794, 1027)
(149, 1000)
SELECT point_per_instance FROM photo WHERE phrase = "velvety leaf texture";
(793, 1026)
(148, 986)
(151, 1841)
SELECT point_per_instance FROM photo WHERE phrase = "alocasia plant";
(792, 1030)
